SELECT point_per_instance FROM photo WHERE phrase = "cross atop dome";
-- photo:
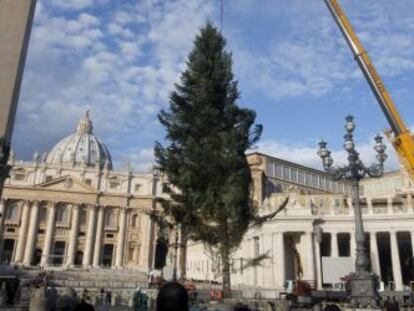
(85, 124)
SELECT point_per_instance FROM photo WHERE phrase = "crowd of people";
(172, 296)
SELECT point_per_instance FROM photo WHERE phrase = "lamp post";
(176, 246)
(364, 283)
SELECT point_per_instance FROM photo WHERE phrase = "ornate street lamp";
(364, 283)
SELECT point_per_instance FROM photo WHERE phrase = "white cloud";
(120, 61)
(312, 58)
(75, 4)
(306, 155)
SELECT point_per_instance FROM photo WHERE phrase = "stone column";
(279, 248)
(73, 236)
(98, 239)
(375, 262)
(318, 263)
(31, 234)
(49, 235)
(24, 223)
(121, 238)
(90, 234)
(309, 273)
(396, 265)
(334, 244)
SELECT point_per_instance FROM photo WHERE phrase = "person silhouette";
(172, 297)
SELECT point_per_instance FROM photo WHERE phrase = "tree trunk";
(225, 259)
(183, 254)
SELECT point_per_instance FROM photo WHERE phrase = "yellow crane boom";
(402, 139)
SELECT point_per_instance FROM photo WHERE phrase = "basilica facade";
(69, 208)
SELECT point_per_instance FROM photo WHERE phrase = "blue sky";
(120, 59)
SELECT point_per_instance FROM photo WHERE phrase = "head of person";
(332, 308)
(241, 307)
(172, 297)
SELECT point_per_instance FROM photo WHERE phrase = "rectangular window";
(270, 168)
(301, 177)
(114, 184)
(48, 178)
(315, 181)
(322, 182)
(19, 176)
(308, 179)
(137, 187)
(278, 170)
(286, 174)
(88, 181)
(294, 174)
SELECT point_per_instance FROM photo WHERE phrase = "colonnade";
(275, 275)
(95, 229)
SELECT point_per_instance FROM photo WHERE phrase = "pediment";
(67, 183)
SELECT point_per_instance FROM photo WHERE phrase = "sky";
(120, 59)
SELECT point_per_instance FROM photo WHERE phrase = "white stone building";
(317, 223)
(69, 208)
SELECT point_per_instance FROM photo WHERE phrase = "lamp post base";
(364, 290)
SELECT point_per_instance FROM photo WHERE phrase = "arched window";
(61, 214)
(109, 218)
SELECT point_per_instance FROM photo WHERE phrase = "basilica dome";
(81, 149)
